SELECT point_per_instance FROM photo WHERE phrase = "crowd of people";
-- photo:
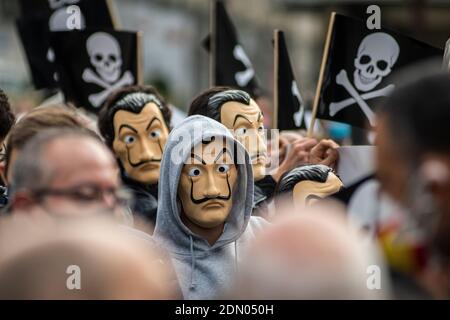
(126, 205)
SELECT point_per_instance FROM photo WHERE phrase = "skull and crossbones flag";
(446, 60)
(290, 109)
(230, 65)
(41, 17)
(355, 69)
(93, 63)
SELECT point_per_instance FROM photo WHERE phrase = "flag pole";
(275, 78)
(322, 71)
(113, 14)
(446, 60)
(212, 42)
(140, 59)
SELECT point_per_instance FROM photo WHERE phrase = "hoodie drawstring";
(192, 286)
(236, 256)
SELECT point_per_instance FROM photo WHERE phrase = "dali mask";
(309, 183)
(305, 193)
(247, 125)
(206, 184)
(139, 140)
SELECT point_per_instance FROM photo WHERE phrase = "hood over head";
(170, 230)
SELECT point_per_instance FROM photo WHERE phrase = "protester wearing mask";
(306, 184)
(135, 123)
(206, 198)
(237, 111)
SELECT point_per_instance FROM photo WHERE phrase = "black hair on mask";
(132, 99)
(316, 172)
(210, 102)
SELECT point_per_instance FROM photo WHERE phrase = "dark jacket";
(263, 193)
(3, 198)
(145, 199)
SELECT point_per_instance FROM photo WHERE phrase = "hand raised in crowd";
(325, 152)
(293, 154)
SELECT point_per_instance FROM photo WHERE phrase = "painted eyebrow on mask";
(224, 150)
(240, 116)
(260, 116)
(196, 157)
(127, 126)
(151, 122)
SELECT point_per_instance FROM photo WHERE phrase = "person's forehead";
(234, 108)
(78, 157)
(138, 120)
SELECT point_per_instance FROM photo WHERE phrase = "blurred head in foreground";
(66, 172)
(315, 255)
(413, 155)
(90, 258)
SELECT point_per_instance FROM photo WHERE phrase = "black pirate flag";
(232, 67)
(93, 63)
(40, 17)
(289, 102)
(446, 60)
(356, 66)
(57, 13)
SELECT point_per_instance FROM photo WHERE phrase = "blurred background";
(174, 30)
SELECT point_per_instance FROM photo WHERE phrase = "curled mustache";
(202, 200)
(140, 163)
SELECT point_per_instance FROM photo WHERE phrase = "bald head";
(65, 170)
(78, 160)
(313, 255)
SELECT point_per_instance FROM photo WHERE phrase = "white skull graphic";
(377, 54)
(106, 56)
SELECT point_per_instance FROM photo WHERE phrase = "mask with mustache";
(139, 141)
(205, 189)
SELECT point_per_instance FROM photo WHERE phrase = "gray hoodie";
(203, 271)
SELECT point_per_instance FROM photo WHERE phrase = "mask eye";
(155, 134)
(241, 131)
(129, 139)
(261, 128)
(194, 172)
(223, 168)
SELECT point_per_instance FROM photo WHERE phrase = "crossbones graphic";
(376, 56)
(105, 55)
(97, 99)
(243, 77)
(298, 116)
(342, 80)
